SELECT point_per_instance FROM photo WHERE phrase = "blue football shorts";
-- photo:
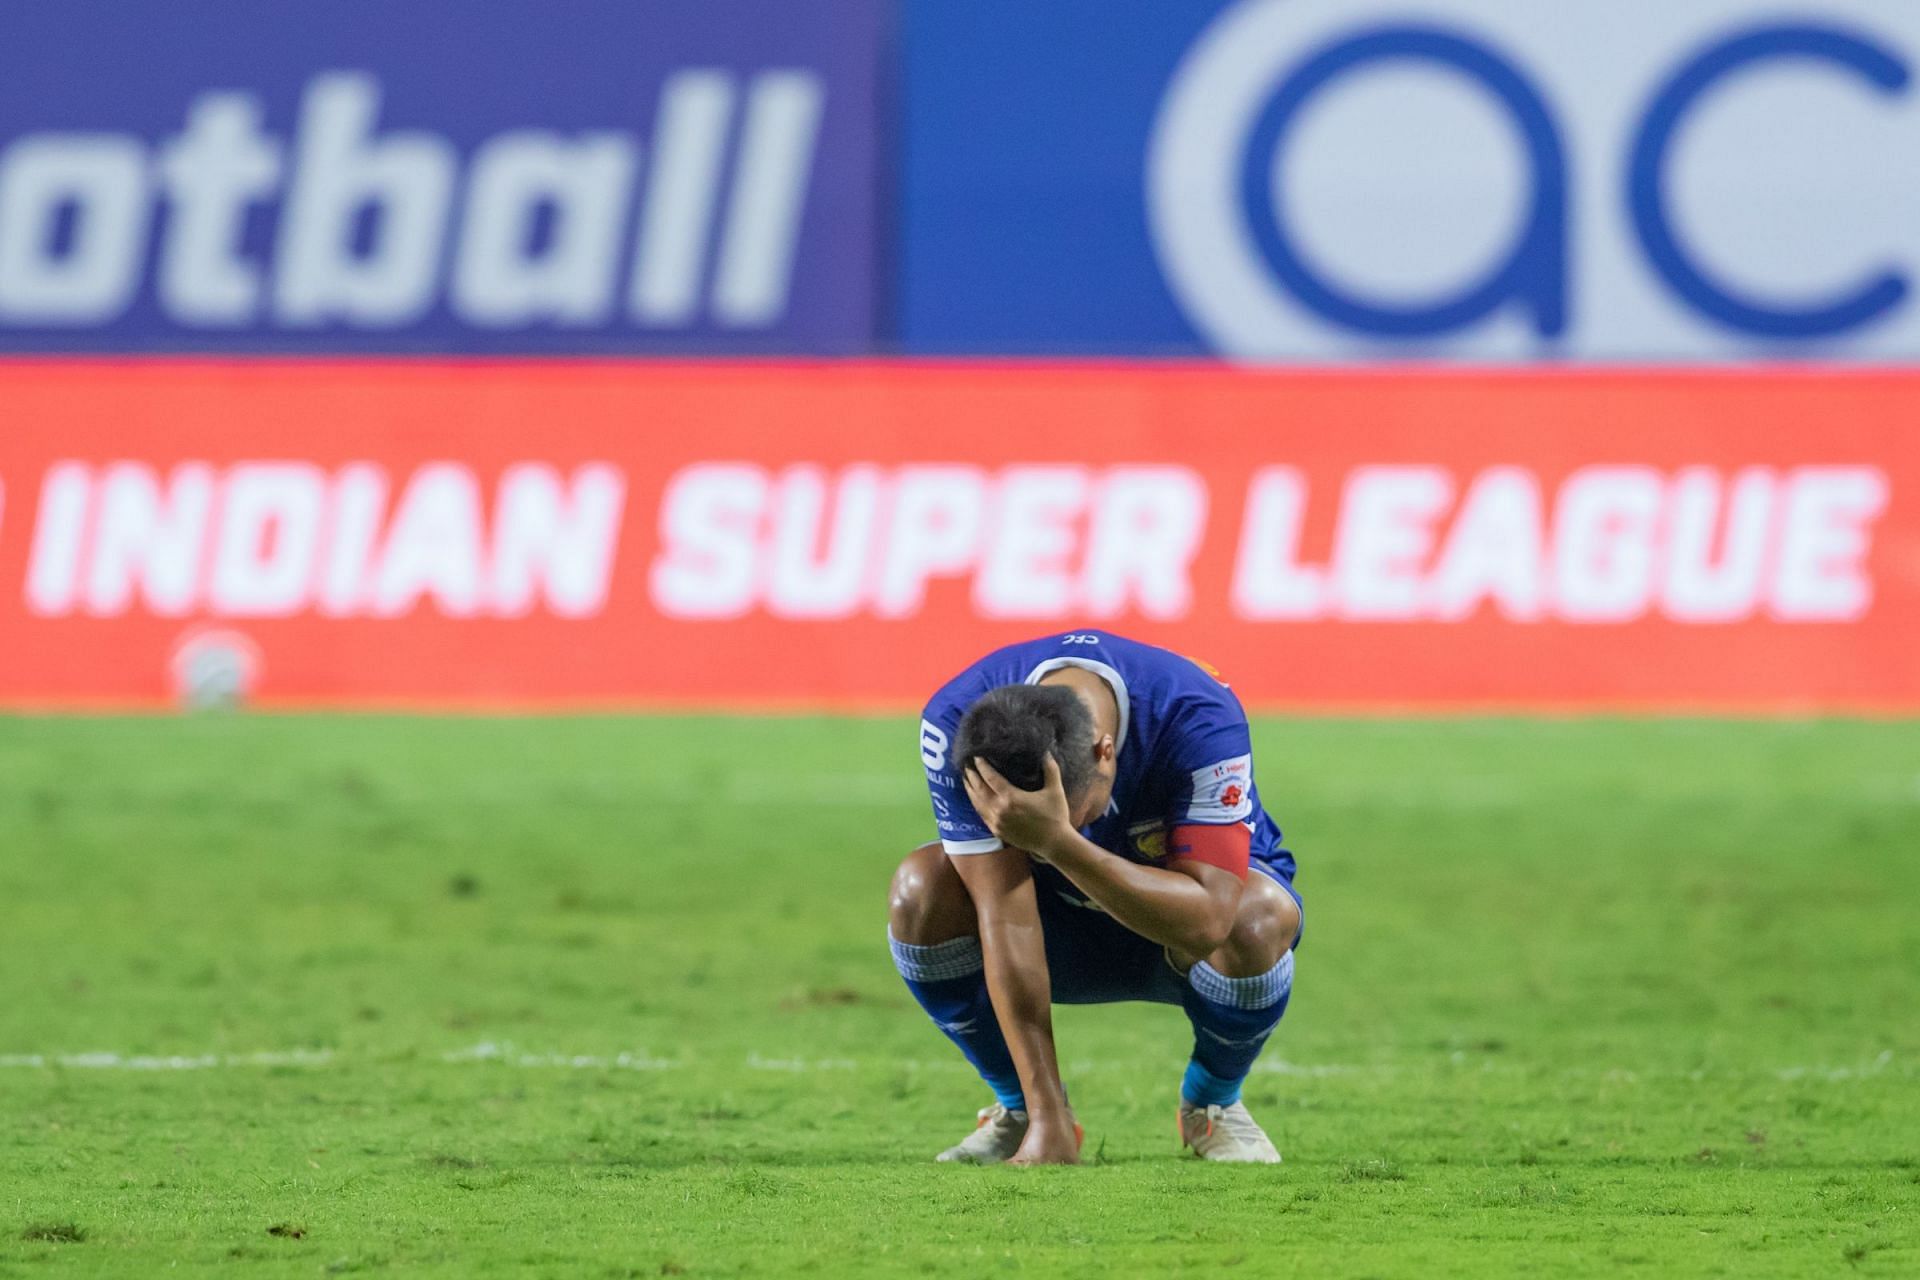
(1094, 959)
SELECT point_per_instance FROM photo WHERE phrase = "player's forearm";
(1017, 979)
(1172, 909)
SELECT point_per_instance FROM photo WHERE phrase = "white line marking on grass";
(1874, 1068)
(757, 1063)
(1281, 1067)
(104, 1061)
(508, 1055)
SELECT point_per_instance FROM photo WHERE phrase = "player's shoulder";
(1184, 713)
(1162, 664)
(1165, 681)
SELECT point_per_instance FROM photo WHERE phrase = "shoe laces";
(1236, 1120)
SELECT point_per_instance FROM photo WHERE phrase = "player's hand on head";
(1030, 820)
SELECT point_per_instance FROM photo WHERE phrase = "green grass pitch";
(299, 996)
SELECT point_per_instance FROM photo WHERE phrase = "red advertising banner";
(845, 536)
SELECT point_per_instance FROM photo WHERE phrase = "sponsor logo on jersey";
(933, 746)
(1148, 839)
(1222, 792)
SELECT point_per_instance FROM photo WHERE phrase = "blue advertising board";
(1503, 180)
(1022, 226)
(438, 176)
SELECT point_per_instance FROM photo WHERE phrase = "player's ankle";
(1201, 1088)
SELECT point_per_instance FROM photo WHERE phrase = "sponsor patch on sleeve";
(933, 746)
(1222, 792)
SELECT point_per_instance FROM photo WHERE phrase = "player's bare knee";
(1263, 930)
(912, 889)
(928, 904)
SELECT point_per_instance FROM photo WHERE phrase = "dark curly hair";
(1016, 726)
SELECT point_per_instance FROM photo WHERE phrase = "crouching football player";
(1101, 839)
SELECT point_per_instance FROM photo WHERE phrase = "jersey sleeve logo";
(933, 746)
(1149, 839)
(1223, 792)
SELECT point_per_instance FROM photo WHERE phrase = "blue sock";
(1232, 1018)
(949, 979)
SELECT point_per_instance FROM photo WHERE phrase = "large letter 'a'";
(1532, 274)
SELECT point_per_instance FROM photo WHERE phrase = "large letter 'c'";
(1646, 181)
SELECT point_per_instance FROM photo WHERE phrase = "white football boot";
(1227, 1134)
(997, 1136)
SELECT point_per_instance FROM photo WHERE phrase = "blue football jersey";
(1184, 755)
